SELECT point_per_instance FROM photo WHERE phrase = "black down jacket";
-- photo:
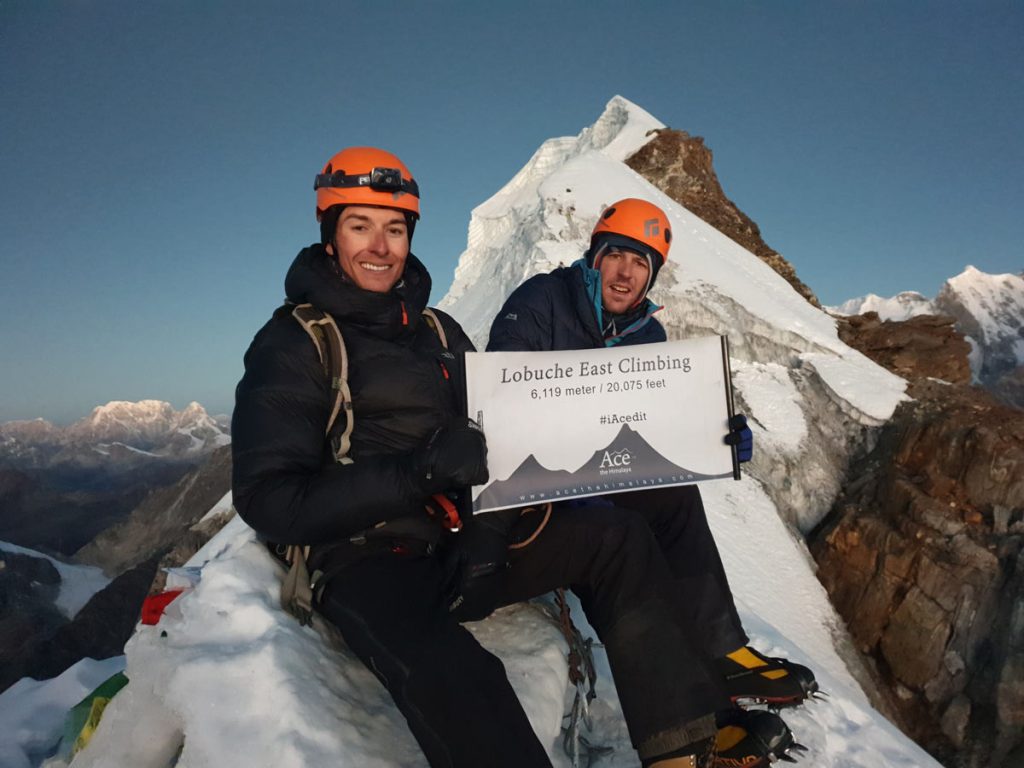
(559, 310)
(403, 382)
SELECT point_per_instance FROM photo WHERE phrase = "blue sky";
(156, 158)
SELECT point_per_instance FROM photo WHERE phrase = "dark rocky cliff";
(922, 552)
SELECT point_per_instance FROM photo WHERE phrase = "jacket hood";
(315, 278)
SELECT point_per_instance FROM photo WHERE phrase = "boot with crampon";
(752, 739)
(751, 678)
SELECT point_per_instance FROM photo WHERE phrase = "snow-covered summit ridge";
(989, 310)
(504, 228)
(711, 285)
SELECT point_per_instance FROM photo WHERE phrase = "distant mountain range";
(118, 431)
(988, 309)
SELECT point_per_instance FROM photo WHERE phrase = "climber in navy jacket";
(602, 301)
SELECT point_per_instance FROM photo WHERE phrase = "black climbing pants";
(455, 695)
(677, 518)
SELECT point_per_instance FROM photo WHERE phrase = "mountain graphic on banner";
(628, 462)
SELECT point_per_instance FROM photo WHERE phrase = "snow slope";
(230, 680)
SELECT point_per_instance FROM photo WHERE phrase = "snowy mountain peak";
(28, 430)
(127, 422)
(990, 310)
(119, 412)
(621, 129)
(996, 302)
(141, 410)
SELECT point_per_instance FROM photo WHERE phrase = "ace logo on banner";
(570, 424)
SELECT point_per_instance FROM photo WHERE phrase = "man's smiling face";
(373, 244)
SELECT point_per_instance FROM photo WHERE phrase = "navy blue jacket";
(560, 310)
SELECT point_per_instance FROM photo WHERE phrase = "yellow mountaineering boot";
(751, 677)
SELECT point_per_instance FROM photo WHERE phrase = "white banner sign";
(563, 425)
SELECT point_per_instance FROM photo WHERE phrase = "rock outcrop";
(190, 542)
(922, 552)
(680, 165)
(28, 588)
(924, 346)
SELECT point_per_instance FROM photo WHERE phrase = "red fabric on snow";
(154, 605)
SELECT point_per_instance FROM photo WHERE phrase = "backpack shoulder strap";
(330, 346)
(435, 325)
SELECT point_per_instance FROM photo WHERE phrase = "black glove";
(478, 563)
(740, 436)
(453, 457)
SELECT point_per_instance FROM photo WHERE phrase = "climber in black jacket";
(400, 581)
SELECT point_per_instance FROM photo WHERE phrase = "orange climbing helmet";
(634, 224)
(366, 176)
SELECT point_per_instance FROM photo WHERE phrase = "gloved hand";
(478, 563)
(454, 456)
(740, 436)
